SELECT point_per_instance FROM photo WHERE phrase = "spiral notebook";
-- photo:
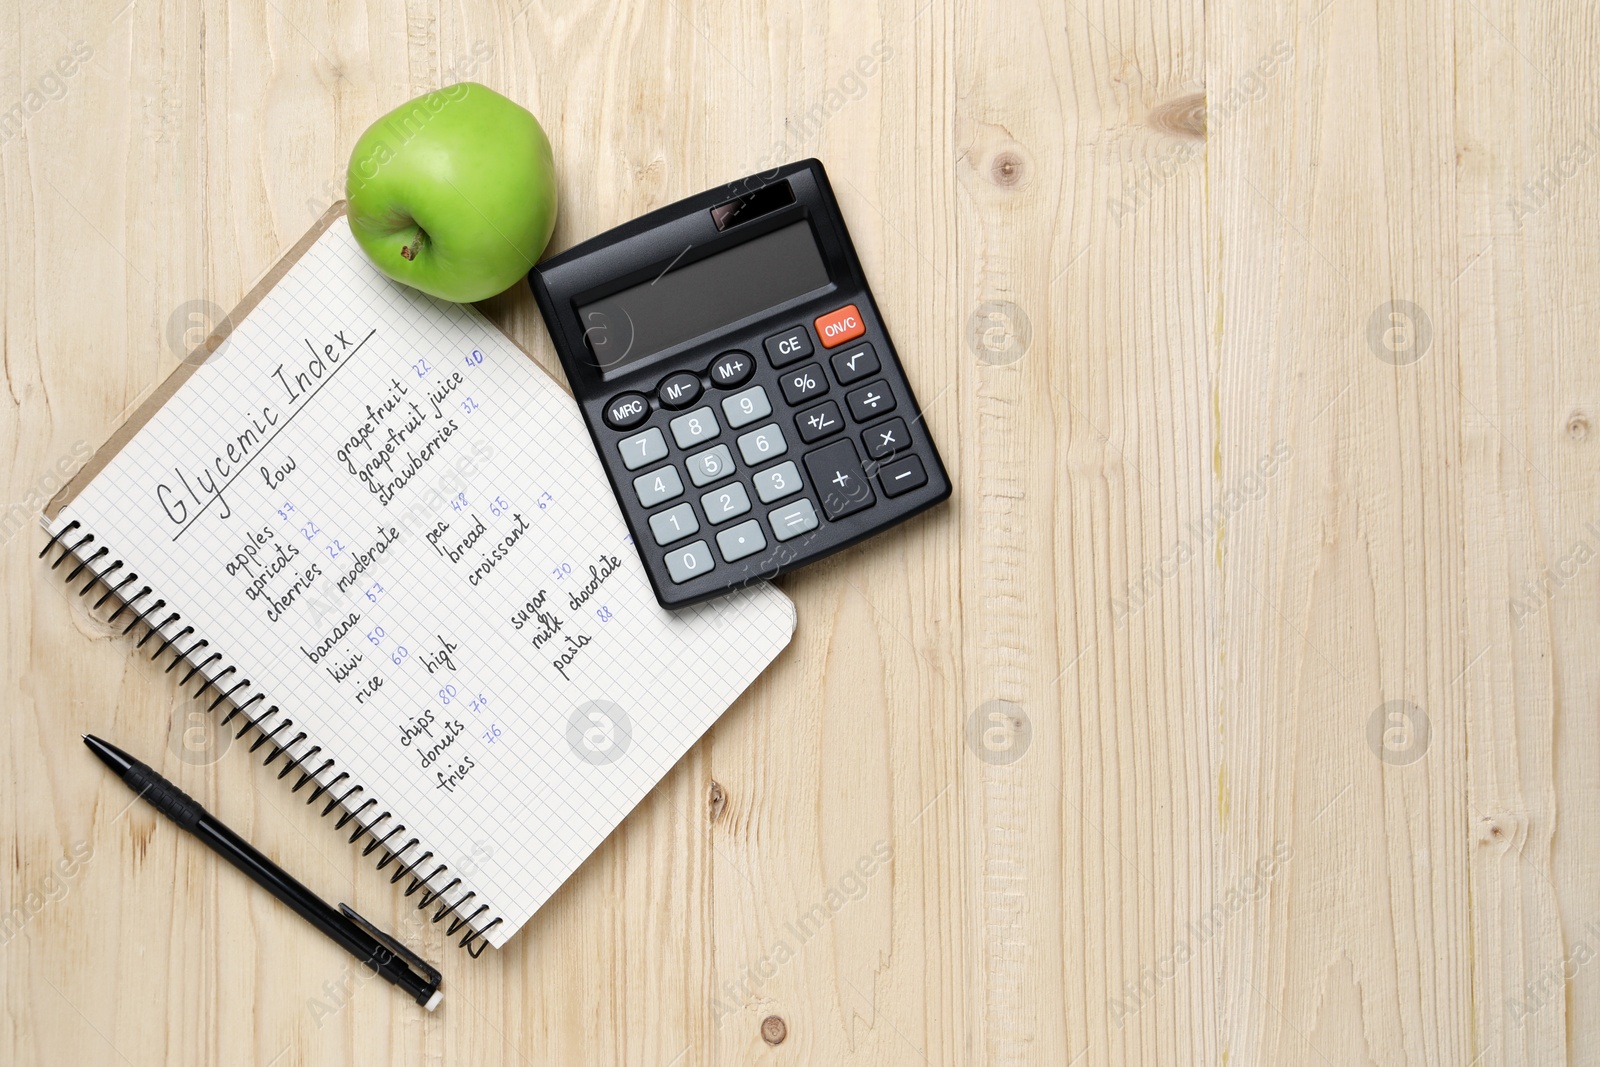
(368, 526)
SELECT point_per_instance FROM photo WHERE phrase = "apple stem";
(410, 250)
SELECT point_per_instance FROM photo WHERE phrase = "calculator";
(741, 388)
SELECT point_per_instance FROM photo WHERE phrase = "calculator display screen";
(639, 322)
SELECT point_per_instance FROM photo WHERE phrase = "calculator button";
(706, 467)
(691, 561)
(870, 401)
(732, 369)
(777, 483)
(804, 383)
(837, 327)
(674, 524)
(758, 446)
(902, 476)
(658, 485)
(836, 473)
(886, 438)
(744, 408)
(642, 448)
(792, 520)
(726, 503)
(818, 422)
(745, 539)
(627, 411)
(679, 391)
(699, 425)
(789, 346)
(854, 364)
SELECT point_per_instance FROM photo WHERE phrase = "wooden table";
(1239, 708)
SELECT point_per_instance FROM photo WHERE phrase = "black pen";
(367, 943)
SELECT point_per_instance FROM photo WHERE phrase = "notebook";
(375, 529)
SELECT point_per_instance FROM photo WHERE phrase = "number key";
(674, 524)
(660, 484)
(746, 407)
(642, 448)
(758, 446)
(699, 425)
(777, 483)
(804, 383)
(726, 503)
(706, 467)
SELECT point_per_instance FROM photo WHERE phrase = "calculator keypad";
(781, 474)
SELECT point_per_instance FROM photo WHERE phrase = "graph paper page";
(392, 523)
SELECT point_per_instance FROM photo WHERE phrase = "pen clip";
(428, 970)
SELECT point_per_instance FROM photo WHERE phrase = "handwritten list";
(392, 524)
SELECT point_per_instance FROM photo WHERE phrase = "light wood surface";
(1295, 603)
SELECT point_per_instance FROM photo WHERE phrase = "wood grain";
(1240, 706)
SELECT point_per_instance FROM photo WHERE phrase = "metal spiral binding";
(199, 659)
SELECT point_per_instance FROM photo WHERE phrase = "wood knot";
(1007, 169)
(1577, 426)
(1183, 116)
(716, 801)
(1502, 830)
(774, 1029)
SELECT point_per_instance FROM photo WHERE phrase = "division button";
(777, 483)
(658, 485)
(902, 476)
(627, 411)
(886, 438)
(839, 480)
(732, 369)
(837, 327)
(690, 561)
(706, 467)
(790, 346)
(745, 539)
(870, 401)
(816, 423)
(792, 520)
(744, 408)
(642, 448)
(699, 425)
(854, 364)
(679, 390)
(674, 524)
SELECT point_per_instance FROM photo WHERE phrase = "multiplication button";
(745, 539)
(886, 438)
(690, 561)
(792, 520)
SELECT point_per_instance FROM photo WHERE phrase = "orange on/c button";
(837, 327)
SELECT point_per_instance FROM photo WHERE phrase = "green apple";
(454, 193)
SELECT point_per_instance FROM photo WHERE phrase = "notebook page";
(394, 525)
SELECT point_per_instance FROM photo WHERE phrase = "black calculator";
(740, 386)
